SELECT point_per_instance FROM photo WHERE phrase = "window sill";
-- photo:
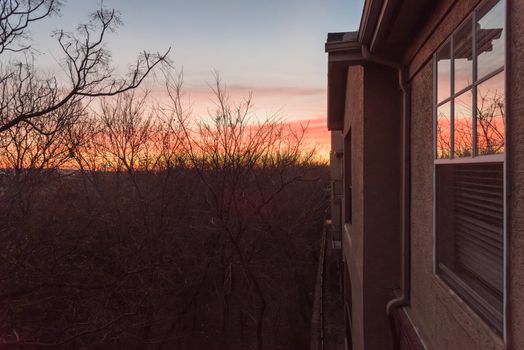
(476, 304)
(492, 158)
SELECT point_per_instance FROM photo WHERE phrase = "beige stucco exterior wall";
(444, 321)
(337, 192)
(442, 318)
(353, 242)
(371, 243)
(382, 168)
(515, 166)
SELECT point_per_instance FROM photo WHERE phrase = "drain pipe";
(405, 281)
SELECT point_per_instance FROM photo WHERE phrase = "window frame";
(475, 157)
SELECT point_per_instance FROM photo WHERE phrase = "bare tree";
(489, 128)
(491, 122)
(26, 95)
(443, 135)
(15, 18)
(245, 165)
(171, 232)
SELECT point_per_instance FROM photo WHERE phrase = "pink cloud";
(316, 131)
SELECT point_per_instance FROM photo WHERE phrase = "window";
(469, 161)
(347, 179)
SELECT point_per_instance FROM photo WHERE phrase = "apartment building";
(426, 110)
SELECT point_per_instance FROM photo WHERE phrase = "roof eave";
(345, 49)
(341, 54)
(368, 22)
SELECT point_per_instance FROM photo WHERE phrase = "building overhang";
(343, 49)
(387, 27)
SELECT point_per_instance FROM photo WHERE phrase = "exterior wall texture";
(371, 241)
(443, 320)
(337, 191)
(353, 233)
(515, 165)
(382, 167)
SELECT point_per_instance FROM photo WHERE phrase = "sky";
(272, 48)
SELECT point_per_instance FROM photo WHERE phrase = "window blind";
(470, 235)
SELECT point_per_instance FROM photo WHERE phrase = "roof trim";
(351, 48)
(384, 21)
(342, 42)
(343, 49)
(368, 22)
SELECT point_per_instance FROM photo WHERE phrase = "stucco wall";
(382, 166)
(353, 233)
(516, 172)
(371, 243)
(442, 318)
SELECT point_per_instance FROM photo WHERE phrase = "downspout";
(403, 298)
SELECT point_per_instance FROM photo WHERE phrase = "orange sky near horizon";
(292, 105)
(274, 49)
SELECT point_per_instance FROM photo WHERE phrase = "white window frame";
(474, 158)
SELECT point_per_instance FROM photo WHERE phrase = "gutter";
(404, 297)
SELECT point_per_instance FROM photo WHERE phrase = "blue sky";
(271, 47)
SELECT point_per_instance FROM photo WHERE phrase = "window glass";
(490, 116)
(469, 187)
(443, 131)
(490, 37)
(463, 56)
(444, 73)
(463, 125)
(470, 235)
